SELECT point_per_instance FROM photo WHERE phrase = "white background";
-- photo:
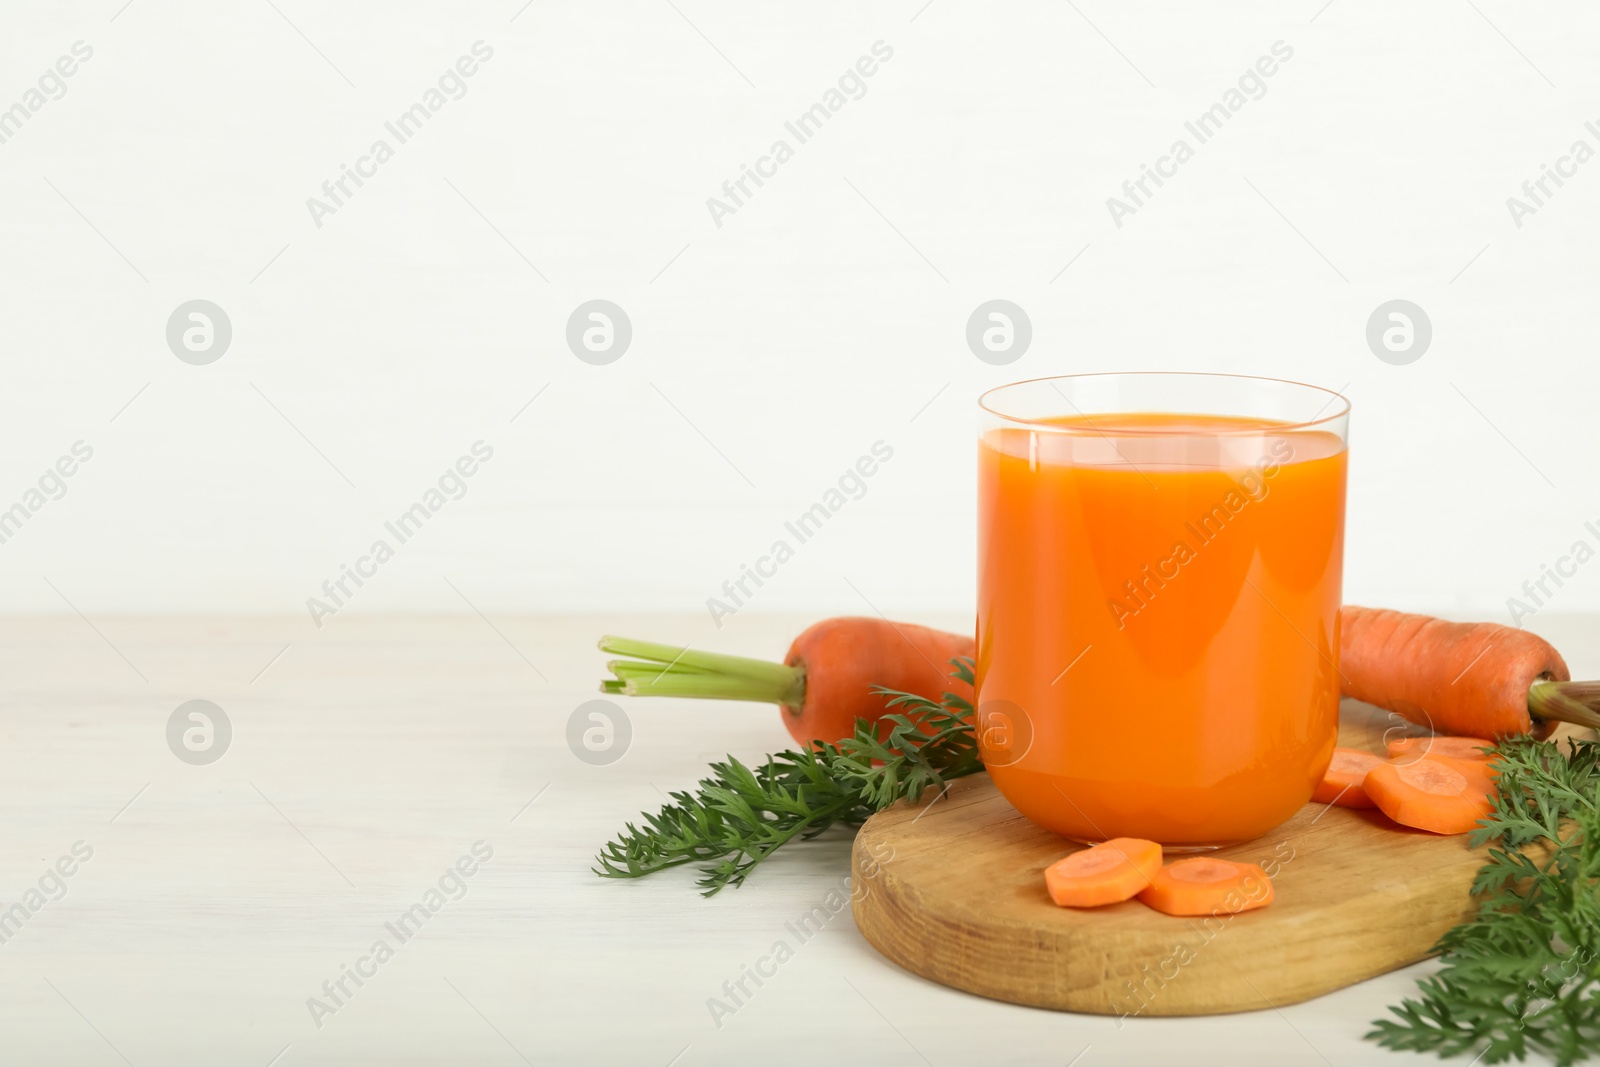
(768, 354)
(798, 333)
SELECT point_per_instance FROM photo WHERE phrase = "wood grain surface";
(954, 891)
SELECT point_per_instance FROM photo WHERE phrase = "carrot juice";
(1157, 639)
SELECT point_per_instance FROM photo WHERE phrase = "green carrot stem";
(713, 662)
(625, 667)
(699, 687)
(1574, 702)
(667, 670)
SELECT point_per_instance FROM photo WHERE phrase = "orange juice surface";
(1158, 622)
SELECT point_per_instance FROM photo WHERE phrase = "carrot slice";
(1438, 794)
(1468, 748)
(1204, 885)
(1105, 874)
(1342, 784)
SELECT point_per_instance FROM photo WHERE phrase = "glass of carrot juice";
(1159, 567)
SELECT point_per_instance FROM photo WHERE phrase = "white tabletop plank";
(366, 760)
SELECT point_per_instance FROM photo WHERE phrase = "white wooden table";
(366, 760)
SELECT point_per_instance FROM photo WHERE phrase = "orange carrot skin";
(1342, 784)
(1467, 748)
(1467, 751)
(1170, 895)
(1138, 861)
(845, 657)
(1409, 664)
(1454, 677)
(1455, 813)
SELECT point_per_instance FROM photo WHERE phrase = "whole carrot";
(1468, 679)
(1478, 679)
(825, 683)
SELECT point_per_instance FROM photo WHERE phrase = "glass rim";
(1342, 410)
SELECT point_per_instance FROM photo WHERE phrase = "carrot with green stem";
(1477, 679)
(741, 814)
(829, 679)
(1470, 679)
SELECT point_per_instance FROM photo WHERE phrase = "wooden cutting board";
(954, 891)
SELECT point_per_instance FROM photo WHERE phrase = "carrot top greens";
(1524, 973)
(741, 815)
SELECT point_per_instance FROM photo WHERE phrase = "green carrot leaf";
(740, 815)
(1523, 975)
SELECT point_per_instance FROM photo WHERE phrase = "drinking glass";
(1159, 568)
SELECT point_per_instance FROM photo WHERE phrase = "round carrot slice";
(1441, 795)
(1341, 785)
(1105, 874)
(1205, 885)
(1414, 748)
